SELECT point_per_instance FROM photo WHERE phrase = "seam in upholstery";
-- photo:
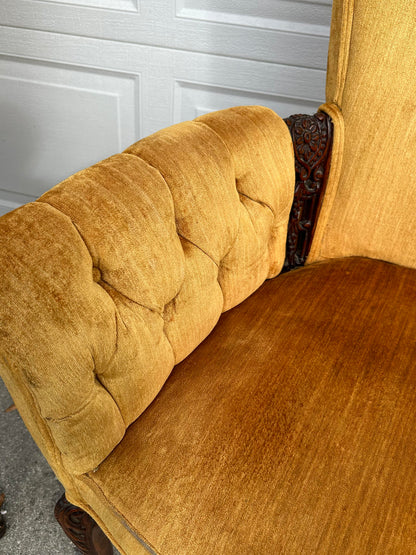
(158, 171)
(287, 132)
(198, 247)
(173, 203)
(169, 341)
(151, 308)
(261, 202)
(237, 179)
(347, 20)
(56, 452)
(204, 124)
(233, 242)
(116, 316)
(122, 518)
(90, 398)
(98, 378)
(92, 261)
(284, 215)
(110, 360)
(115, 307)
(335, 113)
(246, 115)
(117, 312)
(180, 288)
(250, 218)
(73, 224)
(160, 313)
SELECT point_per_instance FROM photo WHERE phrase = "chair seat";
(290, 429)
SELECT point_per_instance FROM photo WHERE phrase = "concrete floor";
(31, 491)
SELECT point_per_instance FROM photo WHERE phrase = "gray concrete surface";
(31, 491)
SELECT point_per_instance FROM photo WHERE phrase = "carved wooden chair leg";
(81, 529)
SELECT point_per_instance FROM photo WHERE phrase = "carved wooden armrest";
(312, 142)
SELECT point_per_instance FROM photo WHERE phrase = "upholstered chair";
(212, 365)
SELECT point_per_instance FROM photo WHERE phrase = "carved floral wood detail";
(81, 529)
(312, 141)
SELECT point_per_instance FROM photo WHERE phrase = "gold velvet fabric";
(120, 271)
(290, 429)
(370, 201)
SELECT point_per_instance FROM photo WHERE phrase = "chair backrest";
(370, 202)
(120, 271)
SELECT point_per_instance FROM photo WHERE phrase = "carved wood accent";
(312, 141)
(81, 529)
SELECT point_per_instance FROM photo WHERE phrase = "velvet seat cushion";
(290, 429)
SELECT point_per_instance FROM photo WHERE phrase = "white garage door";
(82, 79)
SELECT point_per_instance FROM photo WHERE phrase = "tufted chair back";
(144, 252)
(370, 201)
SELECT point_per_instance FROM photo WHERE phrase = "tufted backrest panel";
(120, 271)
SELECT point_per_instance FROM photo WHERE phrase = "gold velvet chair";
(284, 425)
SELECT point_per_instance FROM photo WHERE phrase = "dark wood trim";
(312, 141)
(81, 529)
